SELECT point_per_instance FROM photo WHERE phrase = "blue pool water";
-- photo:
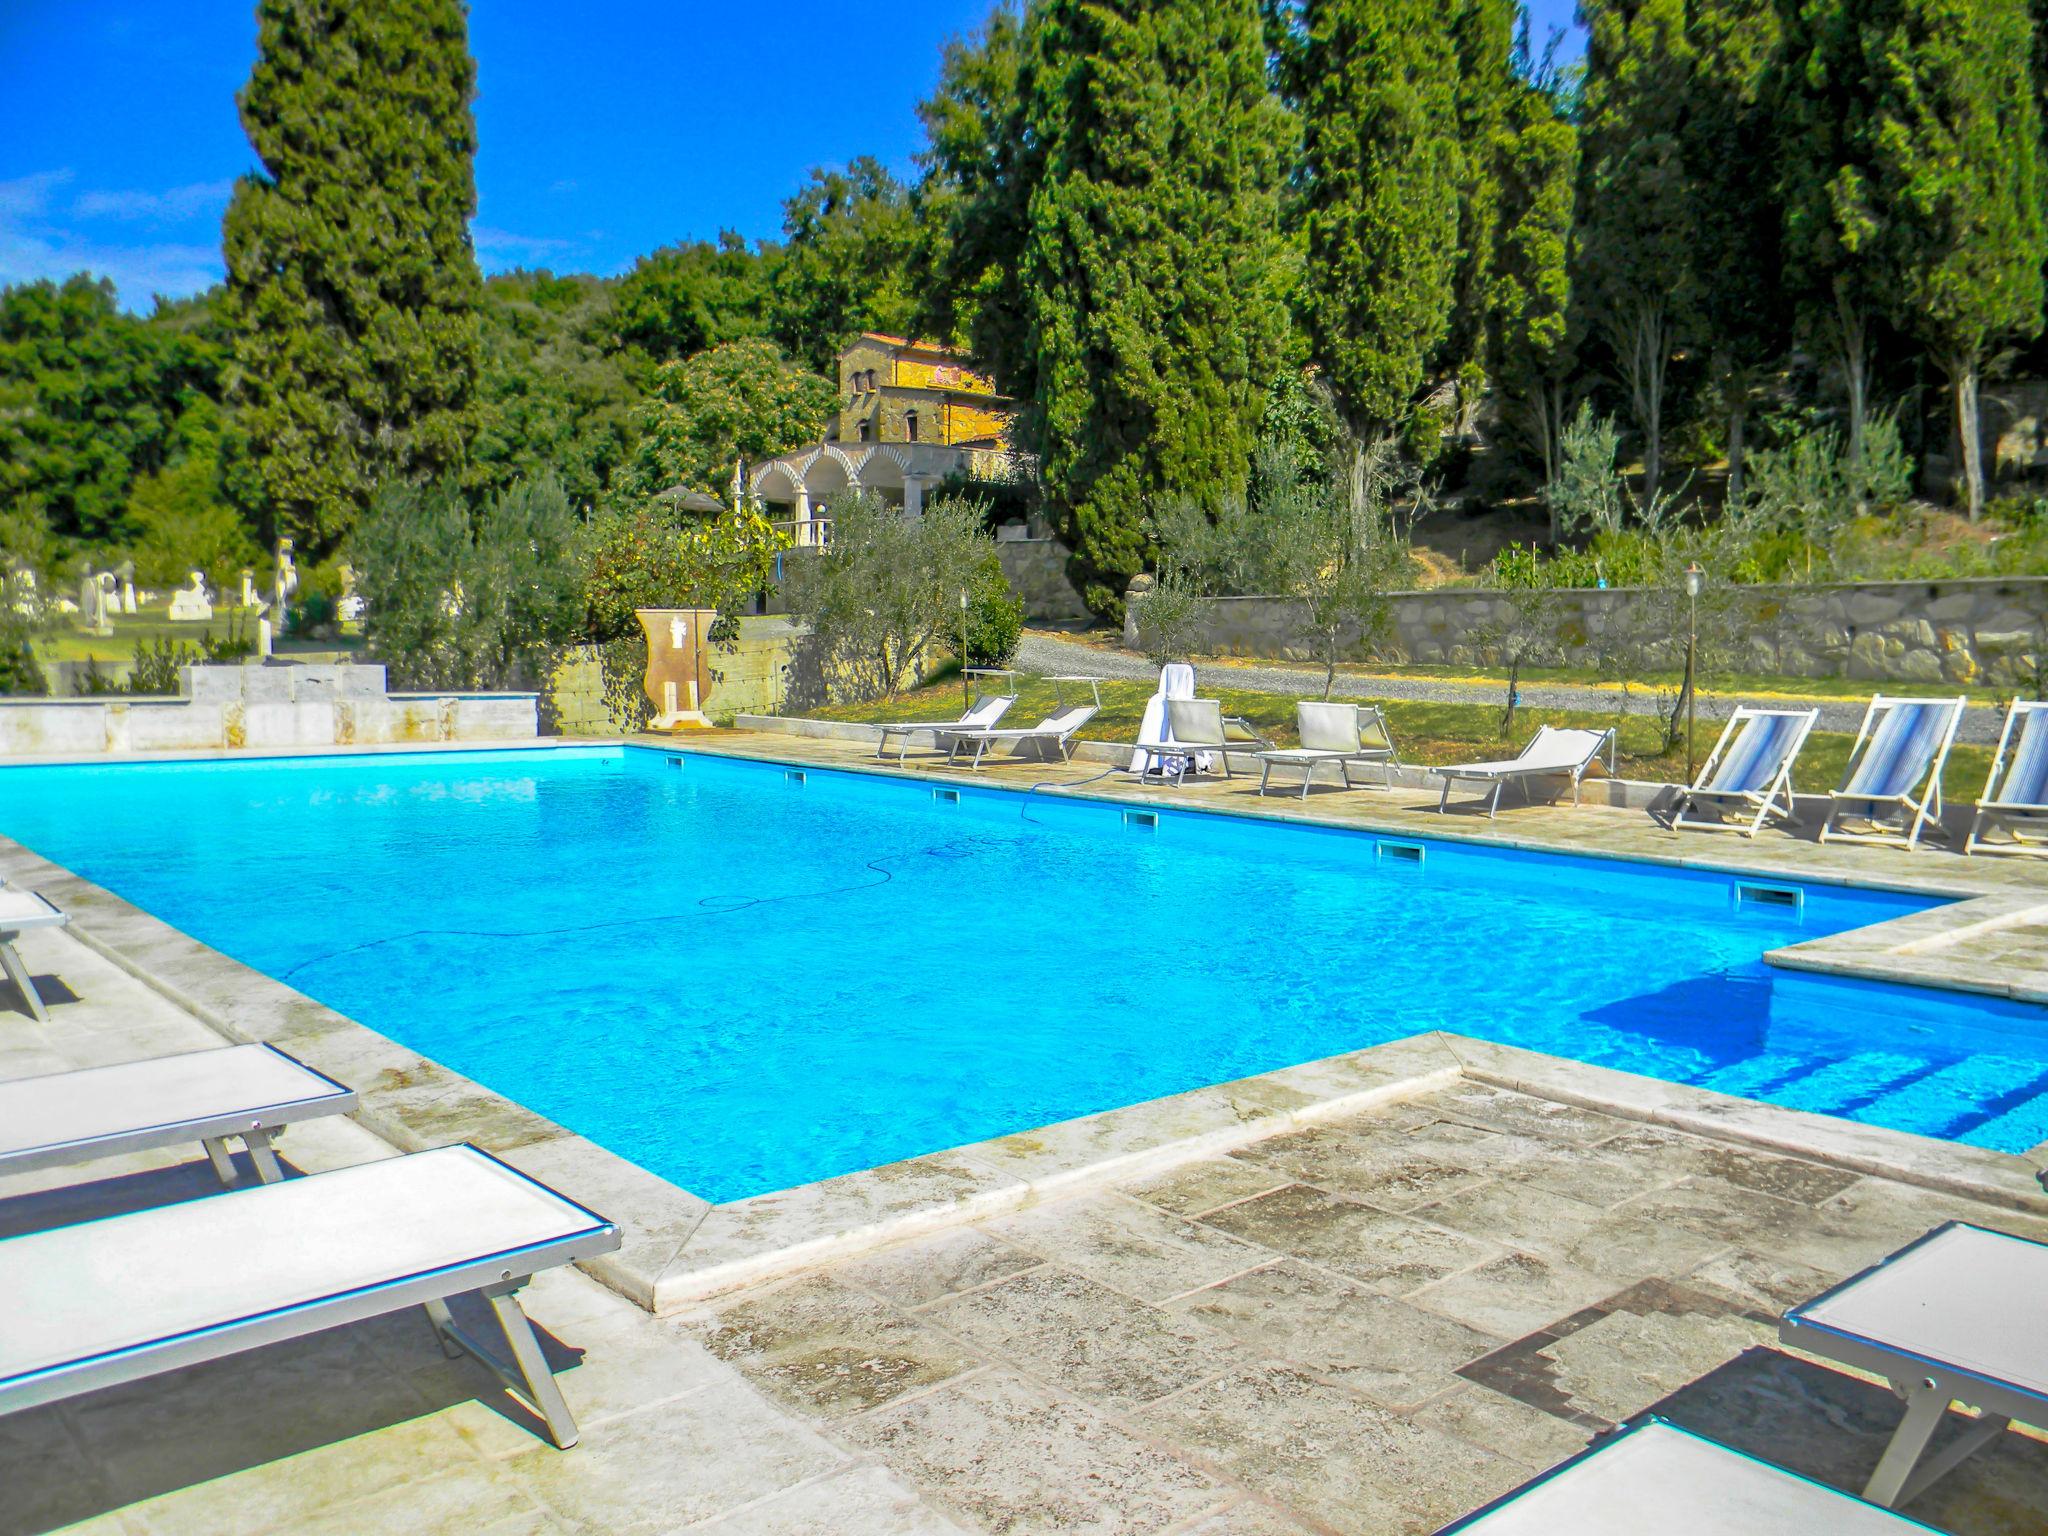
(745, 979)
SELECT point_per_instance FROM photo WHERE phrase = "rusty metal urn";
(678, 665)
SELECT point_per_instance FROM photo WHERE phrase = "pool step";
(1845, 1084)
(2020, 1129)
(1956, 1096)
(1752, 1078)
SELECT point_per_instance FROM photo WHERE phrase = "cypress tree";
(1726, 136)
(1483, 45)
(1381, 172)
(1635, 237)
(1958, 147)
(352, 291)
(1147, 275)
(1530, 297)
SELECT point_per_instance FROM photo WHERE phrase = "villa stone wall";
(1992, 631)
(263, 706)
(1037, 569)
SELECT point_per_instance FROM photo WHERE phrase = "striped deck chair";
(2016, 794)
(1747, 778)
(1893, 792)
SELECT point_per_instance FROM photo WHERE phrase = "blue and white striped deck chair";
(1893, 791)
(2016, 793)
(1747, 778)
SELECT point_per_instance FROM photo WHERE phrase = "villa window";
(865, 427)
(910, 424)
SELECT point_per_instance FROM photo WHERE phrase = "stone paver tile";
(1330, 1456)
(1523, 1114)
(1341, 1330)
(1087, 1339)
(1199, 1187)
(1872, 1217)
(914, 1274)
(1789, 1178)
(1763, 1282)
(861, 1501)
(1521, 1216)
(1128, 1245)
(48, 1480)
(1394, 1171)
(1247, 1517)
(1492, 1421)
(1391, 1253)
(154, 1436)
(1714, 1208)
(1007, 1455)
(664, 1467)
(1628, 1361)
(1516, 1293)
(463, 1503)
(1595, 1175)
(828, 1349)
(293, 1490)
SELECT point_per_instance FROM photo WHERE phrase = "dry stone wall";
(1991, 631)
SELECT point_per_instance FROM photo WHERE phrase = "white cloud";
(28, 196)
(33, 246)
(501, 246)
(172, 206)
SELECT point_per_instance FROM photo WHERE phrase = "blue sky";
(604, 132)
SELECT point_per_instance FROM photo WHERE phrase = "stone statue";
(190, 605)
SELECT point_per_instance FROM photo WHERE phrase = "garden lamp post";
(965, 702)
(1694, 576)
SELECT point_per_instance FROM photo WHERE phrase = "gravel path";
(1042, 653)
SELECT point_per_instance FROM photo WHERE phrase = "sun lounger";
(1654, 1477)
(1551, 753)
(1894, 785)
(1338, 734)
(1749, 773)
(1056, 730)
(1961, 1315)
(2016, 792)
(984, 713)
(1198, 735)
(21, 911)
(130, 1296)
(247, 1091)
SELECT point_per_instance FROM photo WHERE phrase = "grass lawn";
(1425, 733)
(150, 627)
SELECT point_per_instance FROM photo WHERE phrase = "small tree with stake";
(1524, 629)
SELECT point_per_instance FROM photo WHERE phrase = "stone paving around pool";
(1355, 1296)
(1369, 1325)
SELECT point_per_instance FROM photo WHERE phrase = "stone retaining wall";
(1037, 569)
(1990, 630)
(263, 706)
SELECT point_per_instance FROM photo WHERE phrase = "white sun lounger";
(1961, 1315)
(247, 1091)
(1198, 735)
(1552, 753)
(1894, 782)
(1335, 733)
(1749, 772)
(1057, 729)
(1655, 1479)
(21, 911)
(2016, 792)
(986, 710)
(128, 1297)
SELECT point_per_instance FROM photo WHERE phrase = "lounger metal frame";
(1928, 1387)
(2025, 823)
(1765, 805)
(905, 729)
(496, 1277)
(11, 929)
(257, 1126)
(1184, 753)
(1499, 777)
(1308, 759)
(1061, 737)
(1925, 812)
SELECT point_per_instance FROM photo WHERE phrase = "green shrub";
(995, 616)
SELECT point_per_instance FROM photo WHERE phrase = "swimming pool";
(744, 976)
